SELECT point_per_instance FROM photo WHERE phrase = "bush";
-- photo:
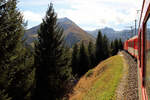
(89, 73)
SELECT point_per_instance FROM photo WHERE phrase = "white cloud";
(31, 16)
(34, 2)
(100, 12)
(89, 14)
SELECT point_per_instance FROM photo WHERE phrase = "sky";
(88, 14)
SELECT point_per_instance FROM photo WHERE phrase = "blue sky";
(88, 14)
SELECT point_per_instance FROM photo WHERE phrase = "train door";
(147, 59)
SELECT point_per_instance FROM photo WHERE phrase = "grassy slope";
(101, 82)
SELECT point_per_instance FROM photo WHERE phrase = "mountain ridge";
(72, 33)
(113, 34)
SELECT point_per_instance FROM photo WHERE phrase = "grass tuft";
(89, 73)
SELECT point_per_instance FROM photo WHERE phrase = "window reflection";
(147, 58)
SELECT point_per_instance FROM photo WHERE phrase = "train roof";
(144, 13)
(135, 37)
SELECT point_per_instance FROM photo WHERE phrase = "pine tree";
(116, 46)
(105, 47)
(66, 70)
(22, 84)
(12, 56)
(83, 60)
(75, 60)
(91, 51)
(120, 44)
(99, 46)
(4, 96)
(112, 48)
(49, 59)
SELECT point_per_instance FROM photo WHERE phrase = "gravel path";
(128, 86)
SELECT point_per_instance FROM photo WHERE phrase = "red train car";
(131, 46)
(144, 51)
(139, 47)
(126, 45)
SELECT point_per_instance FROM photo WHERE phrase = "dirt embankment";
(101, 82)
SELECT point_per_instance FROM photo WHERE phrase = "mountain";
(72, 33)
(113, 34)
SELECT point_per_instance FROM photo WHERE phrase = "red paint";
(138, 43)
(133, 45)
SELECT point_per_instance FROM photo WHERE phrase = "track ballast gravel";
(128, 87)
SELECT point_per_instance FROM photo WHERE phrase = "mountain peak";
(108, 29)
(66, 23)
(65, 19)
(72, 33)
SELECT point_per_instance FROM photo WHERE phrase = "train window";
(147, 58)
(140, 45)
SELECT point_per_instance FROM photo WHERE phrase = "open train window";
(147, 58)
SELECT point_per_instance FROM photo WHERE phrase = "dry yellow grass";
(94, 84)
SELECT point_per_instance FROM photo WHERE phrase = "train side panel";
(126, 45)
(132, 47)
(136, 47)
(144, 68)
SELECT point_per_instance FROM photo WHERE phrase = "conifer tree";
(91, 51)
(83, 60)
(12, 56)
(49, 59)
(99, 46)
(120, 44)
(112, 48)
(4, 96)
(116, 45)
(65, 73)
(105, 47)
(75, 60)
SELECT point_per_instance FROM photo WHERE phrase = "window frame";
(145, 51)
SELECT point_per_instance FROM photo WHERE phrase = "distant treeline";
(50, 70)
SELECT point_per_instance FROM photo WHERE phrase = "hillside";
(101, 82)
(72, 32)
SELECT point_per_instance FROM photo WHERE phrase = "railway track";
(128, 88)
